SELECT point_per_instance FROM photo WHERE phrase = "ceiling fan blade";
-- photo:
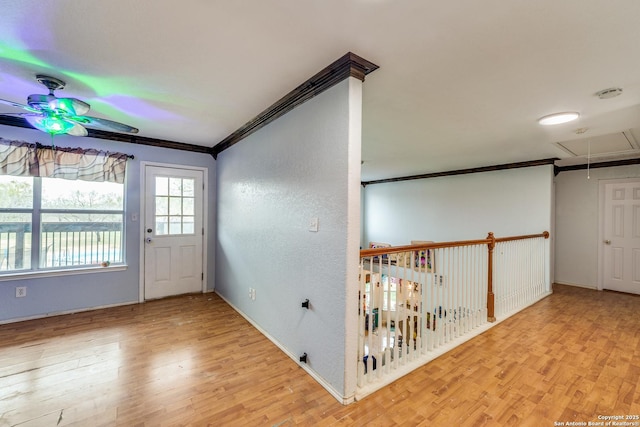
(18, 105)
(38, 114)
(77, 129)
(70, 106)
(103, 123)
(55, 125)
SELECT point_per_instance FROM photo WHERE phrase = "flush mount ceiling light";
(558, 118)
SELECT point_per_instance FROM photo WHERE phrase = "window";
(175, 206)
(52, 223)
(390, 288)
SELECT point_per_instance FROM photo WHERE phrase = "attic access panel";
(601, 145)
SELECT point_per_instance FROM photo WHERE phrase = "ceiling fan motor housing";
(40, 102)
(50, 83)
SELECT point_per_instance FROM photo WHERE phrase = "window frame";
(36, 268)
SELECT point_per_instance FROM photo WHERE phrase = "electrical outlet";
(21, 291)
(250, 293)
(253, 294)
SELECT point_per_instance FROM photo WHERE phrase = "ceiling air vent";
(612, 92)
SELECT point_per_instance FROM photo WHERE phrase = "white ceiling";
(460, 83)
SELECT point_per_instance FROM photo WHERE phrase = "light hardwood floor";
(192, 360)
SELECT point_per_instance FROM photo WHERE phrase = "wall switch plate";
(313, 224)
(21, 291)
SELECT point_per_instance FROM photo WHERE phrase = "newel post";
(491, 317)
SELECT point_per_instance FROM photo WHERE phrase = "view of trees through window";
(80, 223)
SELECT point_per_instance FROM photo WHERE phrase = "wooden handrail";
(437, 245)
(528, 236)
(407, 248)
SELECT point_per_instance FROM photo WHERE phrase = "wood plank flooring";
(193, 361)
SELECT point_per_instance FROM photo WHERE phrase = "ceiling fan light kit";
(558, 118)
(52, 124)
(56, 116)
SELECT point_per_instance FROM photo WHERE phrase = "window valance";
(22, 158)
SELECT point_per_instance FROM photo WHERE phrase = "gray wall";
(462, 207)
(578, 222)
(269, 187)
(51, 295)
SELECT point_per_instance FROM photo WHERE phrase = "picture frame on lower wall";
(378, 245)
(424, 259)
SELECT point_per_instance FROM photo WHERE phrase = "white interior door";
(622, 237)
(173, 231)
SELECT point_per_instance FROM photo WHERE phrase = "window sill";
(55, 273)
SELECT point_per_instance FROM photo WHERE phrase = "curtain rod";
(52, 147)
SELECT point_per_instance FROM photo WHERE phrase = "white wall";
(51, 295)
(461, 207)
(578, 222)
(306, 164)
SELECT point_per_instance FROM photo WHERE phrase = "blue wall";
(270, 185)
(59, 294)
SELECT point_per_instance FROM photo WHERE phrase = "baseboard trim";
(332, 391)
(64, 312)
(80, 310)
(577, 285)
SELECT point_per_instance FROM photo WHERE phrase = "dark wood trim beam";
(465, 171)
(15, 121)
(349, 65)
(114, 136)
(610, 164)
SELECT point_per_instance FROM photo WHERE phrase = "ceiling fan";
(55, 116)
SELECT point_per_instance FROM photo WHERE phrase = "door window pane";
(188, 225)
(162, 186)
(187, 206)
(162, 225)
(175, 206)
(175, 225)
(162, 205)
(175, 186)
(187, 187)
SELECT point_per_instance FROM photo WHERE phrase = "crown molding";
(348, 65)
(114, 136)
(505, 166)
(609, 164)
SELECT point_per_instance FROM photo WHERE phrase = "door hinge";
(203, 231)
(201, 276)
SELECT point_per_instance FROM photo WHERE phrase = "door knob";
(607, 242)
(148, 240)
(149, 230)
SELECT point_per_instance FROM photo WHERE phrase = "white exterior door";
(173, 231)
(621, 237)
